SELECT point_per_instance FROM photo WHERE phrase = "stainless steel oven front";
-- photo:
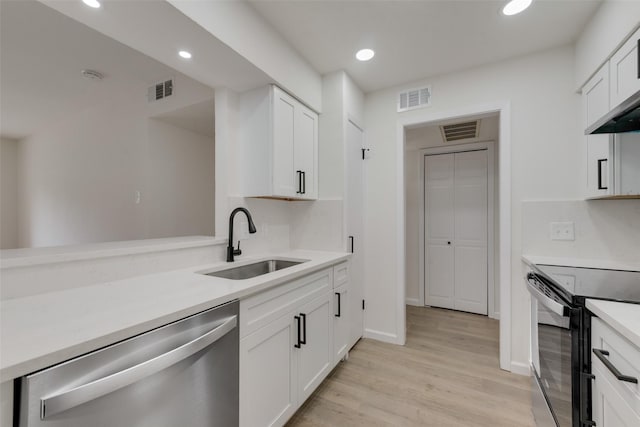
(551, 356)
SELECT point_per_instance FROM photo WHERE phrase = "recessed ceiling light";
(365, 54)
(185, 54)
(92, 3)
(516, 6)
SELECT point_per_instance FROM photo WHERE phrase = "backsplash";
(606, 230)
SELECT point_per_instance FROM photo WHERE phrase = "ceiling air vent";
(459, 131)
(414, 98)
(160, 90)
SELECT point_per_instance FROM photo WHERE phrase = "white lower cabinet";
(341, 323)
(609, 408)
(615, 400)
(314, 355)
(287, 346)
(268, 368)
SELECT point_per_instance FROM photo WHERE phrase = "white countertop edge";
(623, 317)
(27, 366)
(580, 262)
(12, 258)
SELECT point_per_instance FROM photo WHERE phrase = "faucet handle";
(237, 251)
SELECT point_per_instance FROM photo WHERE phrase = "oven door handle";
(551, 304)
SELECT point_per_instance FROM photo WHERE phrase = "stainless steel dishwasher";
(184, 374)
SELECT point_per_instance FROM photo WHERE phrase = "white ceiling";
(42, 53)
(417, 39)
(198, 118)
(431, 135)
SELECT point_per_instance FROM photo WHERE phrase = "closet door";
(456, 231)
(470, 237)
(439, 230)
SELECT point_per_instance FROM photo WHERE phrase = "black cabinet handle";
(304, 328)
(351, 239)
(338, 315)
(600, 162)
(600, 354)
(304, 183)
(299, 190)
(297, 345)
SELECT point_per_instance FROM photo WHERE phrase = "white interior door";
(439, 259)
(456, 258)
(355, 228)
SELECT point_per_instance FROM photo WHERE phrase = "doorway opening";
(425, 134)
(450, 188)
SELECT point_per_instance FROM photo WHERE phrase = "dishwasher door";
(184, 374)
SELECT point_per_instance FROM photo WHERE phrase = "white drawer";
(623, 355)
(258, 310)
(340, 274)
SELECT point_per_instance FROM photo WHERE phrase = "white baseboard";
(521, 368)
(495, 315)
(413, 301)
(381, 336)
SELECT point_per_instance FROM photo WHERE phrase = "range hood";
(624, 118)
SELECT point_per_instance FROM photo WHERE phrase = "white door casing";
(456, 231)
(355, 228)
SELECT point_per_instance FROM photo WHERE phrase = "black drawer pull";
(304, 328)
(297, 345)
(600, 354)
(338, 315)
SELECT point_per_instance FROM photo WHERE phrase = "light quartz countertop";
(43, 330)
(581, 262)
(623, 317)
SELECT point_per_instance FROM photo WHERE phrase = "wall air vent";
(160, 90)
(414, 98)
(460, 131)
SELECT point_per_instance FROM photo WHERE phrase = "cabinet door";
(608, 407)
(599, 166)
(268, 367)
(305, 152)
(624, 69)
(341, 325)
(284, 112)
(595, 96)
(316, 353)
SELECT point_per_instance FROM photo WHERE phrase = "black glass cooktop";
(593, 282)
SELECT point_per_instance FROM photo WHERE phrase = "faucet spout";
(231, 251)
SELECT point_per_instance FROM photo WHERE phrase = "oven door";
(551, 353)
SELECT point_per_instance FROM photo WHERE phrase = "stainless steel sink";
(253, 270)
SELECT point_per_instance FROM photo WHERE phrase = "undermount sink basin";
(253, 270)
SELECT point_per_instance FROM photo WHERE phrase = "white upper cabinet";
(625, 71)
(279, 146)
(595, 96)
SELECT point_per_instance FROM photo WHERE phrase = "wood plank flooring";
(446, 375)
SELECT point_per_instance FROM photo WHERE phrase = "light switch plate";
(562, 231)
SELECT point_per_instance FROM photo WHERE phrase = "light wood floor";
(446, 375)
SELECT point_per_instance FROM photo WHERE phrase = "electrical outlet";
(562, 231)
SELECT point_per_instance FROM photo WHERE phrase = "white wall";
(180, 182)
(8, 193)
(79, 177)
(607, 230)
(546, 152)
(612, 23)
(259, 43)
